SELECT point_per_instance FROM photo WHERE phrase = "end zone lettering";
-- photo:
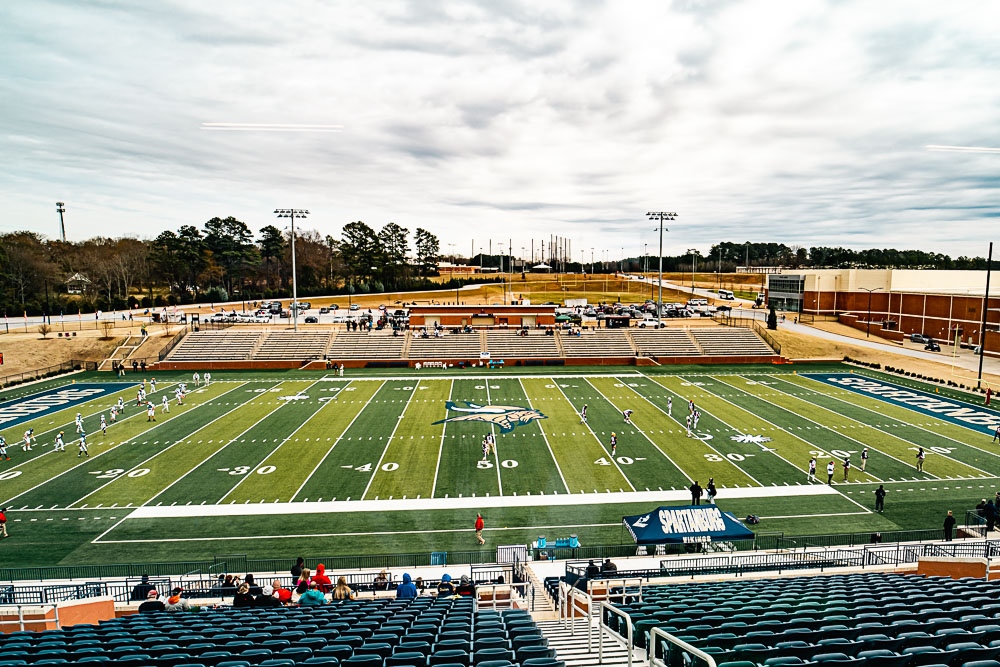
(22, 409)
(922, 401)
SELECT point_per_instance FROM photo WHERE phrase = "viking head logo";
(506, 417)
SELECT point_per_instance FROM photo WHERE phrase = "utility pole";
(61, 208)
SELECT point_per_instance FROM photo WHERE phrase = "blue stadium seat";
(322, 661)
(529, 652)
(489, 654)
(449, 656)
(543, 662)
(406, 659)
(370, 660)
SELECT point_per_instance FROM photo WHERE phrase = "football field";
(275, 463)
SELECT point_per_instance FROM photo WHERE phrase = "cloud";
(804, 123)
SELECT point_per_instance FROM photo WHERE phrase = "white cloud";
(801, 122)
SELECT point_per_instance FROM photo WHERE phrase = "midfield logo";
(507, 417)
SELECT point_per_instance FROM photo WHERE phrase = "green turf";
(269, 438)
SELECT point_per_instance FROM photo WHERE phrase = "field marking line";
(600, 444)
(670, 417)
(718, 419)
(496, 452)
(812, 516)
(231, 441)
(821, 427)
(498, 376)
(382, 533)
(388, 442)
(243, 478)
(165, 449)
(444, 429)
(110, 449)
(467, 502)
(916, 426)
(67, 425)
(545, 438)
(337, 439)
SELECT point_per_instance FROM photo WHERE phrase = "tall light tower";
(61, 208)
(868, 325)
(661, 216)
(693, 252)
(291, 214)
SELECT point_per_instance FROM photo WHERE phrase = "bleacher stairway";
(572, 648)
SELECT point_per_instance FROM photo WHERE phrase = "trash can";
(439, 558)
(541, 542)
(574, 542)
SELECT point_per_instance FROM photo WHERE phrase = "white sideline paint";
(254, 509)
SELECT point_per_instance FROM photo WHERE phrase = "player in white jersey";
(614, 444)
(79, 423)
(486, 448)
(150, 412)
(121, 404)
(491, 443)
(60, 445)
(3, 449)
(82, 445)
(627, 414)
(29, 437)
(583, 414)
(687, 422)
(208, 379)
(104, 425)
(197, 379)
(670, 404)
(695, 416)
(166, 404)
(114, 413)
(152, 386)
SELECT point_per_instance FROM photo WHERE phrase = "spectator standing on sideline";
(847, 468)
(920, 459)
(880, 498)
(996, 433)
(695, 490)
(811, 475)
(710, 491)
(830, 467)
(949, 526)
(864, 458)
(480, 526)
(3, 523)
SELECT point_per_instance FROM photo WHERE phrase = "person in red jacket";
(323, 581)
(480, 525)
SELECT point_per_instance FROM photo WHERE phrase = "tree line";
(225, 260)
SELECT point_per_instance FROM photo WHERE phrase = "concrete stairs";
(573, 650)
(122, 352)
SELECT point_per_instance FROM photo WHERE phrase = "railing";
(768, 338)
(171, 344)
(607, 609)
(38, 619)
(505, 596)
(47, 372)
(574, 605)
(665, 650)
(974, 523)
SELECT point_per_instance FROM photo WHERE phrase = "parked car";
(355, 306)
(312, 319)
(919, 338)
(324, 310)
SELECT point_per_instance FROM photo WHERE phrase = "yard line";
(203, 461)
(658, 448)
(378, 466)
(542, 430)
(496, 453)
(356, 415)
(824, 427)
(917, 426)
(243, 478)
(444, 428)
(612, 458)
(110, 449)
(169, 447)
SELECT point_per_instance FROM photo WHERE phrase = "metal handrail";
(630, 634)
(680, 643)
(20, 622)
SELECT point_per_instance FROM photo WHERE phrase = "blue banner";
(934, 405)
(685, 524)
(23, 409)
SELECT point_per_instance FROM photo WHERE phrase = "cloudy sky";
(804, 122)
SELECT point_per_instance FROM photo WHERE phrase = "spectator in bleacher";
(297, 568)
(243, 597)
(280, 593)
(446, 588)
(342, 590)
(254, 588)
(406, 589)
(301, 588)
(228, 587)
(152, 603)
(266, 598)
(176, 602)
(305, 577)
(142, 589)
(320, 578)
(313, 597)
(381, 582)
(593, 570)
(465, 587)
(421, 586)
(607, 567)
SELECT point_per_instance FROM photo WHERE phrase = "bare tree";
(44, 329)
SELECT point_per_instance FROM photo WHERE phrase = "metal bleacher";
(293, 345)
(725, 341)
(508, 343)
(365, 345)
(448, 346)
(665, 343)
(226, 345)
(597, 343)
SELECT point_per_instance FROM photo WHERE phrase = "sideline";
(470, 502)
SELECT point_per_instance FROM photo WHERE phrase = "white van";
(727, 295)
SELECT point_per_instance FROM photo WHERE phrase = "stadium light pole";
(868, 326)
(291, 214)
(661, 216)
(692, 251)
(61, 208)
